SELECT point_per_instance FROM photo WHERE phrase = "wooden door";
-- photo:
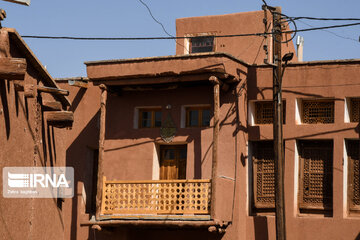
(173, 162)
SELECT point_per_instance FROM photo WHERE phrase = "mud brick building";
(181, 146)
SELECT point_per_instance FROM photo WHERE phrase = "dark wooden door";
(173, 162)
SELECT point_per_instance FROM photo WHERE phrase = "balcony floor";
(156, 217)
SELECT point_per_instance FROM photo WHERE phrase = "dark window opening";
(198, 117)
(150, 118)
(202, 44)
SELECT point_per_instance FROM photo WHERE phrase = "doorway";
(173, 162)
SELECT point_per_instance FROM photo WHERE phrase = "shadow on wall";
(78, 157)
(261, 228)
(357, 237)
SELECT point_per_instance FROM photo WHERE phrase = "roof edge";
(49, 81)
(319, 62)
(160, 58)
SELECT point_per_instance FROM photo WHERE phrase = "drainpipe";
(101, 150)
(216, 84)
(300, 48)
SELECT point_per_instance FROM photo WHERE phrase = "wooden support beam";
(51, 106)
(60, 118)
(19, 86)
(52, 90)
(214, 169)
(12, 68)
(30, 91)
(78, 83)
(99, 188)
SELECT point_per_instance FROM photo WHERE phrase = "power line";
(157, 21)
(327, 19)
(162, 26)
(335, 34)
(173, 37)
(321, 28)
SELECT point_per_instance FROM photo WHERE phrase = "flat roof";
(162, 58)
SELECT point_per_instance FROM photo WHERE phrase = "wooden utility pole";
(278, 128)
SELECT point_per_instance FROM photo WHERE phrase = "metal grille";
(264, 178)
(353, 151)
(316, 175)
(156, 197)
(318, 111)
(355, 109)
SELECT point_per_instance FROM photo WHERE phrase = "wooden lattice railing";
(156, 197)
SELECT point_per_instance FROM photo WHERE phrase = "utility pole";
(278, 127)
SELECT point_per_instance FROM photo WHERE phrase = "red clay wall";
(335, 81)
(248, 49)
(26, 141)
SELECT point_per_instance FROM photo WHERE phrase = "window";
(198, 117)
(264, 112)
(318, 111)
(353, 152)
(315, 180)
(202, 44)
(354, 109)
(263, 174)
(150, 118)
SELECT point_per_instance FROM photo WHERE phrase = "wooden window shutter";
(355, 109)
(318, 111)
(316, 159)
(353, 151)
(263, 174)
(264, 112)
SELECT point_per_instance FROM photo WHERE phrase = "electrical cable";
(328, 19)
(335, 34)
(167, 38)
(158, 22)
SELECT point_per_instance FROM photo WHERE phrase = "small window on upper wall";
(354, 109)
(150, 118)
(202, 44)
(318, 111)
(198, 117)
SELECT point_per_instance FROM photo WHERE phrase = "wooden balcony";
(156, 197)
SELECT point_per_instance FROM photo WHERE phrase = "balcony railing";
(156, 197)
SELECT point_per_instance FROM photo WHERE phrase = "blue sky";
(129, 18)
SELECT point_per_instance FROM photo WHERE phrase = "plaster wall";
(309, 81)
(27, 141)
(248, 49)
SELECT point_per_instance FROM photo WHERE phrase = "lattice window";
(353, 151)
(263, 174)
(264, 112)
(316, 161)
(318, 111)
(354, 109)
